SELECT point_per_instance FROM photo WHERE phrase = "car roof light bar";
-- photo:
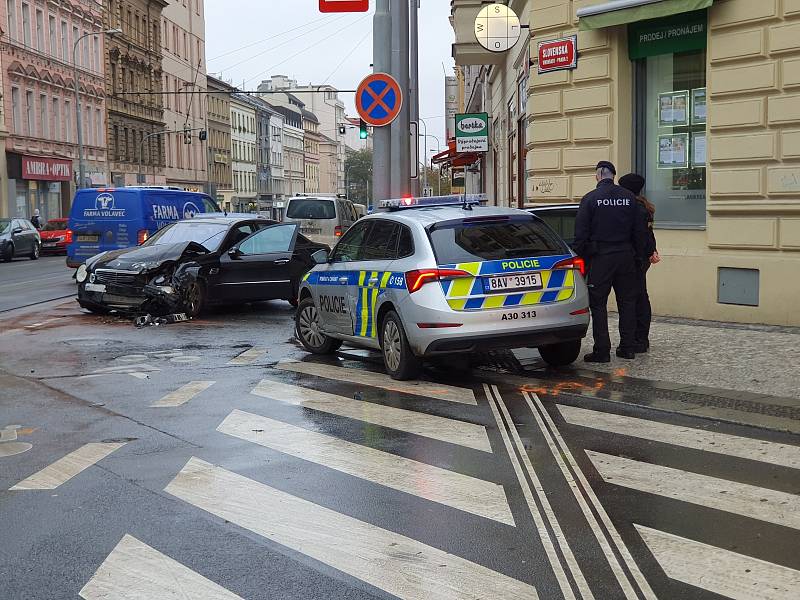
(465, 200)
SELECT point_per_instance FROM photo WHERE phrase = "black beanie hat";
(632, 182)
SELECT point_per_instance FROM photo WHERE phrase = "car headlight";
(82, 274)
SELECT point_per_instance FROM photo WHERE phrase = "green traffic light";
(363, 134)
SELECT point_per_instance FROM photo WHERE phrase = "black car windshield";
(311, 208)
(5, 225)
(479, 240)
(208, 235)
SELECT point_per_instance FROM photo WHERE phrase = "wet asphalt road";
(25, 282)
(201, 461)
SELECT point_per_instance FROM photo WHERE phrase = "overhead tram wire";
(271, 48)
(349, 54)
(307, 48)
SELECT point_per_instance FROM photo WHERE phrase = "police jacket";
(610, 220)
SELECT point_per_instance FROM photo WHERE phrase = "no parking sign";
(379, 99)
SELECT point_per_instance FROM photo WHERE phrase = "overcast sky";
(291, 37)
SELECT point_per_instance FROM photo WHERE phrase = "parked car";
(560, 218)
(323, 219)
(108, 219)
(56, 236)
(18, 237)
(191, 264)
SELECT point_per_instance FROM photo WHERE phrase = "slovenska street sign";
(343, 6)
(558, 55)
(472, 132)
(379, 99)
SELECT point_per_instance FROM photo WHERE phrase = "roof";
(309, 116)
(436, 214)
(222, 219)
(547, 207)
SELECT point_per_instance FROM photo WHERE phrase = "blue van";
(114, 218)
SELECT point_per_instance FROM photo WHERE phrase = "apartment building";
(39, 166)
(702, 97)
(220, 170)
(243, 155)
(185, 102)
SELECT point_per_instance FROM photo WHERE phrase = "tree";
(358, 176)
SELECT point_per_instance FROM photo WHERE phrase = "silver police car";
(431, 277)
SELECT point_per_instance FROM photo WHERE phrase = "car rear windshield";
(208, 235)
(477, 240)
(311, 208)
(57, 225)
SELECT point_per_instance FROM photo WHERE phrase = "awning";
(621, 12)
(453, 158)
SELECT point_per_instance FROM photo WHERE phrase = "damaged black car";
(192, 264)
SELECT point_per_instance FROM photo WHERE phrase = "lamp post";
(81, 165)
(438, 151)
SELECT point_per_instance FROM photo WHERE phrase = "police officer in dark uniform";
(611, 235)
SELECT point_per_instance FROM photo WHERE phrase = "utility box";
(738, 286)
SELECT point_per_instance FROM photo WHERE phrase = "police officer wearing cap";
(611, 235)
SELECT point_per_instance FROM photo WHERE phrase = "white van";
(322, 219)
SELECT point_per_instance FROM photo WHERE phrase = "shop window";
(670, 116)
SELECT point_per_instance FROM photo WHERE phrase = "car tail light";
(142, 236)
(583, 311)
(68, 236)
(576, 262)
(337, 231)
(416, 279)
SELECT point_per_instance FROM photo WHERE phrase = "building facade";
(244, 155)
(705, 103)
(39, 165)
(220, 171)
(311, 141)
(134, 100)
(185, 102)
(328, 165)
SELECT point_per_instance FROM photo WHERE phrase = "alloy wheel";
(309, 327)
(392, 345)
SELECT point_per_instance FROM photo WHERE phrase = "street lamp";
(438, 151)
(81, 165)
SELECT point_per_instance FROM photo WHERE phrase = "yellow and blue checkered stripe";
(468, 293)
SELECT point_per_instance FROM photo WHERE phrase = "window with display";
(670, 116)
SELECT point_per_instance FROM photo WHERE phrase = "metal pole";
(382, 63)
(425, 154)
(81, 165)
(413, 71)
(400, 128)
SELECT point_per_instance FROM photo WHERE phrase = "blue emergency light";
(465, 200)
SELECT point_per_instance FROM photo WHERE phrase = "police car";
(431, 277)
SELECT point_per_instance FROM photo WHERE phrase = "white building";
(184, 70)
(244, 155)
(324, 102)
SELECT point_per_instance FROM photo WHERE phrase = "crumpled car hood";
(146, 257)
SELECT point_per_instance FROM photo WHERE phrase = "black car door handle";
(282, 261)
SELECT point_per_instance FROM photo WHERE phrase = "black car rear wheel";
(8, 253)
(309, 331)
(195, 299)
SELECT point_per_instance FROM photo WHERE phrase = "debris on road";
(151, 321)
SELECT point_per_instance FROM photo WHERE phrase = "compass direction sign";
(379, 99)
(497, 28)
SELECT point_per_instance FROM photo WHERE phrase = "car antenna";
(467, 204)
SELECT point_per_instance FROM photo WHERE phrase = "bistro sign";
(46, 169)
(558, 55)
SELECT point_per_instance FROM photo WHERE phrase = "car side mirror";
(234, 253)
(320, 257)
(17, 230)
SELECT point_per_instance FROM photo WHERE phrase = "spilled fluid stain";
(564, 387)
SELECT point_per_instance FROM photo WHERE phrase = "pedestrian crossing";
(183, 394)
(729, 572)
(67, 467)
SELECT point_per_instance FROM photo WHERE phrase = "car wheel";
(560, 355)
(309, 332)
(8, 253)
(37, 249)
(399, 359)
(195, 299)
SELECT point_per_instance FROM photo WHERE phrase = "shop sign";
(472, 132)
(558, 55)
(46, 169)
(680, 33)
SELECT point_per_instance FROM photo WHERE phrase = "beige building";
(328, 165)
(185, 102)
(702, 97)
(244, 156)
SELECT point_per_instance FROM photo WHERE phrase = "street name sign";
(472, 132)
(497, 28)
(379, 99)
(343, 6)
(558, 55)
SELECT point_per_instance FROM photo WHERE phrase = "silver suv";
(431, 279)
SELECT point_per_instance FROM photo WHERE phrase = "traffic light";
(187, 136)
(363, 132)
(342, 130)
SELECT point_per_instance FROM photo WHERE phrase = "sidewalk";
(761, 359)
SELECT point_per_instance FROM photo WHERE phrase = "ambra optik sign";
(472, 132)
